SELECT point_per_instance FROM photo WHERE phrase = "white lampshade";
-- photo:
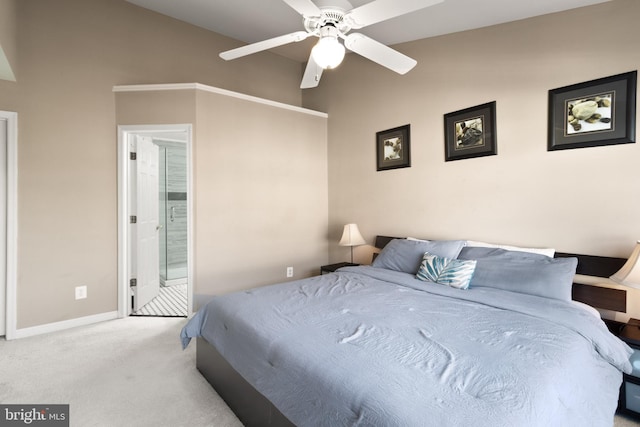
(328, 52)
(351, 236)
(629, 274)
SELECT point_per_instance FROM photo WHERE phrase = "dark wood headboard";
(381, 241)
(588, 265)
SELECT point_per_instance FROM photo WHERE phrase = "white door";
(147, 262)
(3, 225)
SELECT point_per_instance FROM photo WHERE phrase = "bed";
(405, 343)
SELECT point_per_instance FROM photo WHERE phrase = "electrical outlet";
(81, 292)
(289, 271)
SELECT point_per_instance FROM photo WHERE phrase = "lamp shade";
(629, 274)
(351, 236)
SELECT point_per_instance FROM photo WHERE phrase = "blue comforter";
(373, 347)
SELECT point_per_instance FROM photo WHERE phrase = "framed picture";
(470, 132)
(594, 113)
(393, 148)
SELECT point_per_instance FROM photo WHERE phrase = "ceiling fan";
(331, 20)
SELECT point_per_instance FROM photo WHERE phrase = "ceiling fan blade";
(304, 7)
(381, 10)
(377, 52)
(312, 74)
(264, 45)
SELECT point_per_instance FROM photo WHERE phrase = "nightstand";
(333, 267)
(630, 389)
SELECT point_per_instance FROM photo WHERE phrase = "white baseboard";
(61, 326)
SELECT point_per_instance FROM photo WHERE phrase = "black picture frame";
(470, 132)
(393, 148)
(607, 115)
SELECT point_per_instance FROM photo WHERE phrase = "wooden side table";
(333, 267)
(630, 389)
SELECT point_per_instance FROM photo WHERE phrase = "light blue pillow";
(445, 271)
(523, 272)
(405, 255)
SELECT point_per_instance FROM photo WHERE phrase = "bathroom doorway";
(155, 220)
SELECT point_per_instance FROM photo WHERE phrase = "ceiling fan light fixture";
(328, 52)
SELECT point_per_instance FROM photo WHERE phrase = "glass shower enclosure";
(173, 213)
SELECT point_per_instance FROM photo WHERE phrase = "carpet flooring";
(121, 373)
(171, 302)
(625, 421)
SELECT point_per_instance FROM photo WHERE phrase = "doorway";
(8, 223)
(170, 299)
(155, 275)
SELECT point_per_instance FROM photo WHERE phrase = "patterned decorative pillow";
(445, 271)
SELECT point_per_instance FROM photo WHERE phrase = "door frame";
(11, 169)
(124, 209)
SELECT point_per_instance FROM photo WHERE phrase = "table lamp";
(629, 274)
(351, 237)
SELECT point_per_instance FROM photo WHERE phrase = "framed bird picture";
(393, 149)
(470, 132)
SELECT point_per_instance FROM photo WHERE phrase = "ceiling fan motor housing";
(331, 16)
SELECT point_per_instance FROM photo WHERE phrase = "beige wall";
(70, 54)
(261, 194)
(260, 185)
(583, 200)
(8, 54)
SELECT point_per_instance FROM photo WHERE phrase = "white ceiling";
(255, 20)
